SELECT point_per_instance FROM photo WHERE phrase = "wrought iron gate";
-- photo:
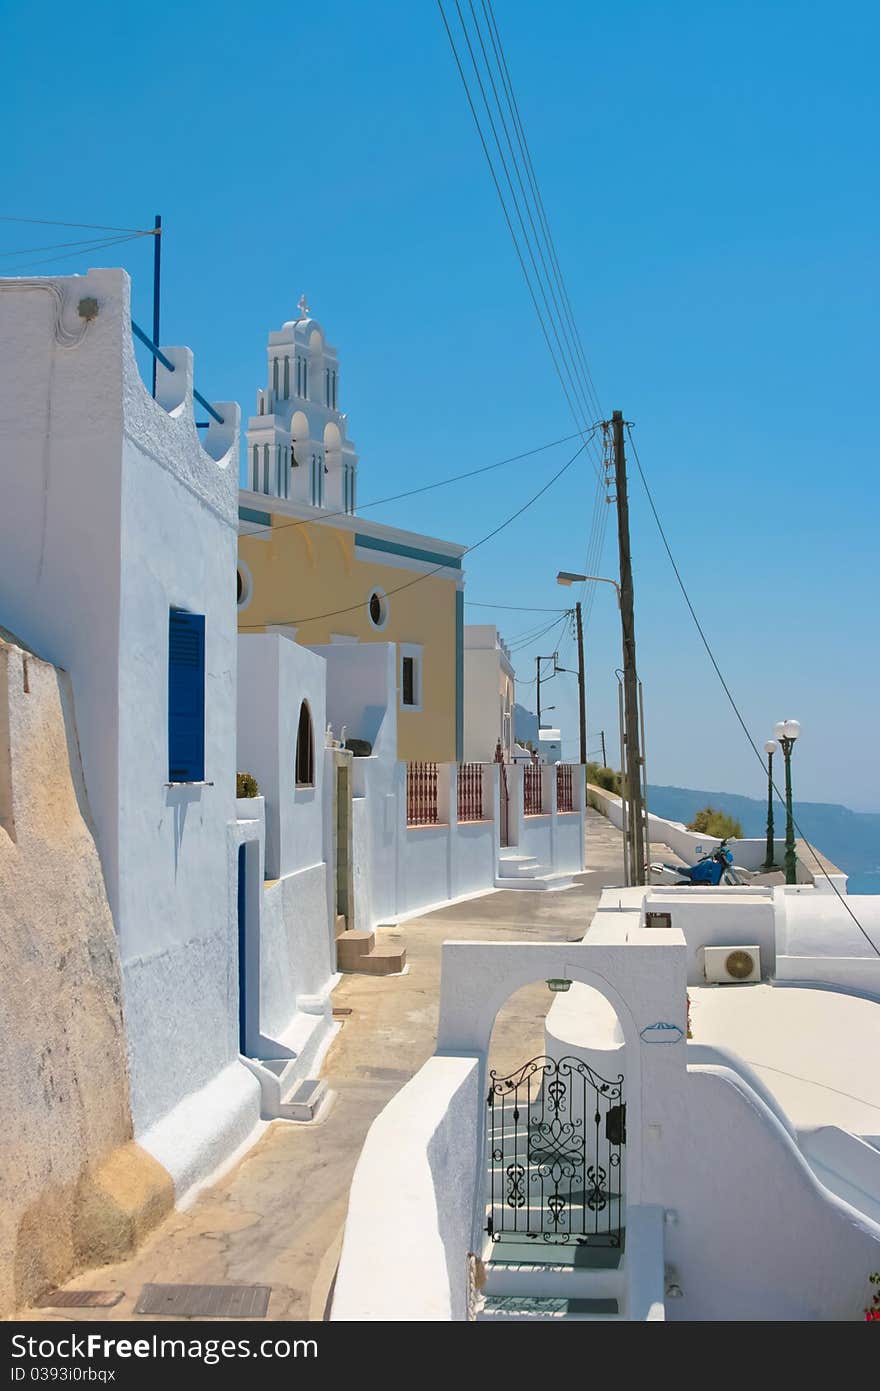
(556, 1132)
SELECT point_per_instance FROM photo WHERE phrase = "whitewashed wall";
(114, 511)
(296, 952)
(415, 1179)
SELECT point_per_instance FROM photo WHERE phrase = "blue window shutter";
(186, 696)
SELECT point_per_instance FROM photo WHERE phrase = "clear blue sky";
(710, 175)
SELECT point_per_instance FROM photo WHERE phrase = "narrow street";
(277, 1217)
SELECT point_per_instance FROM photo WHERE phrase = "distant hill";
(851, 839)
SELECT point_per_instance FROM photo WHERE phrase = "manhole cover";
(79, 1299)
(205, 1301)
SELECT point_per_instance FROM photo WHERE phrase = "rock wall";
(76, 1190)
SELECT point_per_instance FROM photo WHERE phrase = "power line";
(560, 316)
(533, 180)
(518, 608)
(426, 487)
(85, 243)
(352, 608)
(84, 250)
(727, 690)
(504, 206)
(93, 226)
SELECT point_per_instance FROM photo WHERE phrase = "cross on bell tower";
(302, 306)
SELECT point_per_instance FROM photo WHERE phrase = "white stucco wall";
(115, 511)
(414, 1182)
(276, 676)
(720, 917)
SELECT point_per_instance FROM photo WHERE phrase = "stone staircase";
(356, 950)
(527, 1280)
(517, 871)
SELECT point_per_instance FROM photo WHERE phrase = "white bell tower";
(296, 443)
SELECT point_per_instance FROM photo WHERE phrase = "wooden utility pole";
(604, 756)
(582, 685)
(632, 773)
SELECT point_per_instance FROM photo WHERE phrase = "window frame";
(305, 710)
(413, 652)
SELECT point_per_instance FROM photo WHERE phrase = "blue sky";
(710, 176)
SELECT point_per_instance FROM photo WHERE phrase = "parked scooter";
(715, 868)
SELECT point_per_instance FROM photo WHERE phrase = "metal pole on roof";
(157, 274)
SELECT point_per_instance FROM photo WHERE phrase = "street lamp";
(786, 732)
(568, 577)
(770, 749)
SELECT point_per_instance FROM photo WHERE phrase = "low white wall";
(719, 917)
(819, 925)
(294, 947)
(569, 842)
(748, 852)
(410, 1210)
(861, 975)
(536, 838)
(424, 867)
(474, 857)
(756, 1236)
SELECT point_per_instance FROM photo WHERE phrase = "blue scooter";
(711, 870)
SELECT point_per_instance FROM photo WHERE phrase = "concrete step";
(518, 864)
(304, 1099)
(383, 961)
(341, 925)
(352, 948)
(554, 1279)
(539, 882)
(540, 1308)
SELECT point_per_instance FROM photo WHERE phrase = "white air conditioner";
(732, 965)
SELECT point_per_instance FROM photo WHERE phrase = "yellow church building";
(310, 567)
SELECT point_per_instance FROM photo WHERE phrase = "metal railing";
(533, 789)
(564, 794)
(166, 362)
(470, 792)
(421, 794)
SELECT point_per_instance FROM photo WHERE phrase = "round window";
(378, 609)
(242, 585)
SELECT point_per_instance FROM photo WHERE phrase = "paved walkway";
(277, 1218)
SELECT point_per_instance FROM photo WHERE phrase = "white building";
(119, 546)
(489, 694)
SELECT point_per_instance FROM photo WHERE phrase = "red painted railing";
(564, 798)
(533, 789)
(421, 794)
(470, 792)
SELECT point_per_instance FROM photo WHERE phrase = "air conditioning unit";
(732, 965)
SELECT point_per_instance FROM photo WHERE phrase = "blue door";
(242, 963)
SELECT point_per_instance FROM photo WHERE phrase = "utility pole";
(538, 660)
(604, 756)
(632, 772)
(582, 698)
(157, 275)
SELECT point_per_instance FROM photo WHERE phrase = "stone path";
(277, 1217)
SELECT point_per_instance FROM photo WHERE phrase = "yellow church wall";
(308, 576)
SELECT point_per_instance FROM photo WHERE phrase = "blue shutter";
(186, 696)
